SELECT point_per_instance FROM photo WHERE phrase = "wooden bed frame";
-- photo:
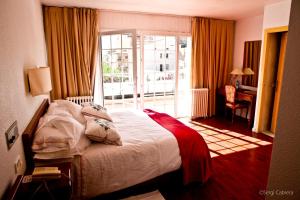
(28, 134)
(168, 180)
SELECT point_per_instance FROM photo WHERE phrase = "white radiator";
(81, 99)
(199, 103)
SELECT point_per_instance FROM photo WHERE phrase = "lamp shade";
(237, 71)
(248, 71)
(39, 80)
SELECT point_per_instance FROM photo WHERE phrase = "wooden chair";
(232, 103)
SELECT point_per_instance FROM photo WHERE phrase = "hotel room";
(149, 99)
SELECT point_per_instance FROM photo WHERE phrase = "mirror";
(251, 60)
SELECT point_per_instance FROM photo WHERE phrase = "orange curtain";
(251, 60)
(212, 52)
(72, 44)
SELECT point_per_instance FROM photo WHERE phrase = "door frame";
(264, 74)
(278, 83)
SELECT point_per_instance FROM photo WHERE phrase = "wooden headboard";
(28, 134)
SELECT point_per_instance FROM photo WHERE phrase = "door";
(165, 74)
(159, 72)
(279, 81)
(183, 92)
(272, 71)
(145, 71)
(119, 69)
(272, 56)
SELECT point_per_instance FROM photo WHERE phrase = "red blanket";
(195, 157)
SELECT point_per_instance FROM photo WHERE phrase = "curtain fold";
(212, 52)
(72, 44)
(251, 60)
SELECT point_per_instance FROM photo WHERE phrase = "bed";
(152, 145)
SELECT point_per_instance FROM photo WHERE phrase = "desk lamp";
(247, 71)
(236, 72)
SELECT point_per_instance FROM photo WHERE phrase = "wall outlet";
(18, 165)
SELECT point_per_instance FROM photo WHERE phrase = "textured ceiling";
(225, 9)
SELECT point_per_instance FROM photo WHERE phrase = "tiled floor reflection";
(222, 142)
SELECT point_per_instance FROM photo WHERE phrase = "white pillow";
(57, 133)
(94, 110)
(55, 109)
(50, 139)
(61, 107)
(102, 130)
(83, 143)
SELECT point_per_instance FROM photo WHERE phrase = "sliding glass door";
(118, 56)
(159, 73)
(183, 93)
(146, 71)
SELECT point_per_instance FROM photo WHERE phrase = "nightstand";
(60, 188)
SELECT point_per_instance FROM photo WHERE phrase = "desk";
(243, 95)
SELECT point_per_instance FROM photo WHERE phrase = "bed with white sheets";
(147, 150)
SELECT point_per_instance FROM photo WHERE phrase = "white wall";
(22, 45)
(247, 29)
(275, 15)
(117, 20)
(284, 176)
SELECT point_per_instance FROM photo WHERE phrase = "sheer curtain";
(212, 52)
(72, 44)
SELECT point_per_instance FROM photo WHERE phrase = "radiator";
(81, 99)
(199, 103)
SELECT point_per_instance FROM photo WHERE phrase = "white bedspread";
(148, 151)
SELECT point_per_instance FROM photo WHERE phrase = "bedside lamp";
(39, 80)
(236, 72)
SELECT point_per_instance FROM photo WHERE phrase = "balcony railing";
(155, 83)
